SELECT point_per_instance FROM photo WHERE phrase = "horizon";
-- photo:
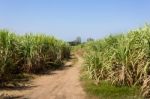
(67, 20)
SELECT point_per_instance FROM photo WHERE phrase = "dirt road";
(60, 84)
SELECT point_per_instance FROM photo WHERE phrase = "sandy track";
(60, 84)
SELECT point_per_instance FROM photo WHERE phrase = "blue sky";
(67, 19)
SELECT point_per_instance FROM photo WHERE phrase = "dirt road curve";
(60, 84)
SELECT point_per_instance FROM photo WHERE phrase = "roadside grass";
(105, 90)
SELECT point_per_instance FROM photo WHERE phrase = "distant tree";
(75, 42)
(78, 40)
(90, 39)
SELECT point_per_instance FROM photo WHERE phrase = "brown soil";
(60, 84)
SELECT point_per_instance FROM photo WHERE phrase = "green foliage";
(29, 53)
(106, 91)
(123, 60)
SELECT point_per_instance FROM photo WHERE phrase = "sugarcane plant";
(29, 53)
(123, 59)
